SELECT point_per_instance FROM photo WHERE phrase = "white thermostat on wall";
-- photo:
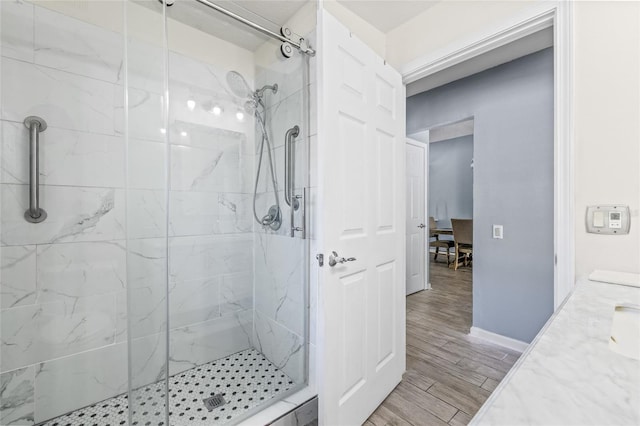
(611, 220)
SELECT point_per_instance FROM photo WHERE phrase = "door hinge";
(320, 258)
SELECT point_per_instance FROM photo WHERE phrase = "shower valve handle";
(334, 259)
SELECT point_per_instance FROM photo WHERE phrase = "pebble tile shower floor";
(246, 379)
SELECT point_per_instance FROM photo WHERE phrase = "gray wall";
(513, 186)
(451, 180)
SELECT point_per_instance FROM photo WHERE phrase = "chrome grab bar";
(289, 166)
(34, 213)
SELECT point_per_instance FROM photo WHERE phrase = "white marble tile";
(569, 375)
(67, 157)
(35, 333)
(62, 99)
(283, 116)
(86, 378)
(73, 271)
(74, 214)
(187, 71)
(201, 213)
(17, 30)
(181, 114)
(304, 415)
(206, 86)
(145, 61)
(145, 109)
(214, 169)
(195, 301)
(146, 280)
(279, 280)
(146, 213)
(200, 343)
(18, 276)
(207, 256)
(235, 213)
(280, 346)
(148, 360)
(287, 74)
(17, 397)
(236, 293)
(269, 414)
(69, 44)
(211, 137)
(147, 164)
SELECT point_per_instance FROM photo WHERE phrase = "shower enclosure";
(154, 213)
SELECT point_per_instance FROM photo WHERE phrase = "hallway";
(449, 373)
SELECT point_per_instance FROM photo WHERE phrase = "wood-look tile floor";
(449, 373)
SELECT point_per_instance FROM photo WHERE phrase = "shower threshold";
(245, 380)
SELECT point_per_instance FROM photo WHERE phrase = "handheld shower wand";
(254, 105)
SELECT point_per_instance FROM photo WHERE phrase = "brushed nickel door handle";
(334, 259)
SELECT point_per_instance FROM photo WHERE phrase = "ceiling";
(386, 15)
(276, 11)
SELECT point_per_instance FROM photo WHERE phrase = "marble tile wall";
(210, 218)
(62, 280)
(66, 282)
(280, 266)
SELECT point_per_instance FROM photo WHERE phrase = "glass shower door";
(63, 279)
(162, 287)
(237, 279)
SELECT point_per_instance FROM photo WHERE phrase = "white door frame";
(559, 15)
(409, 141)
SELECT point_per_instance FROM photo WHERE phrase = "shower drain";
(214, 402)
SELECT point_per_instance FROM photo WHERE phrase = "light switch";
(598, 219)
(608, 219)
(497, 232)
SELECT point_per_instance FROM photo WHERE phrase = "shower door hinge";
(320, 258)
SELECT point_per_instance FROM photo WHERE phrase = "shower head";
(238, 85)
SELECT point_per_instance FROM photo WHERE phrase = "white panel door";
(362, 204)
(416, 221)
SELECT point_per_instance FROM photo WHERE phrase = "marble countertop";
(568, 375)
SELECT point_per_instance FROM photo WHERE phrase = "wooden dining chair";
(437, 242)
(463, 241)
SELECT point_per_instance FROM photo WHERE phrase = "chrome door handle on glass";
(422, 225)
(334, 259)
(34, 213)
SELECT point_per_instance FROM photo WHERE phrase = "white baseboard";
(498, 339)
